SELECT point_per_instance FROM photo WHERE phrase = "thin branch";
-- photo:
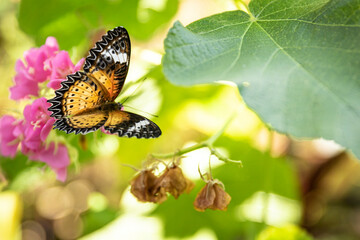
(180, 152)
(225, 159)
(207, 143)
(131, 166)
(240, 4)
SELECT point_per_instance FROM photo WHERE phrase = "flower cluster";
(30, 133)
(42, 64)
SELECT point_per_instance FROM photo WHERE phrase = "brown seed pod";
(174, 182)
(212, 196)
(144, 188)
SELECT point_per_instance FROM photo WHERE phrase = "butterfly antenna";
(141, 83)
(153, 115)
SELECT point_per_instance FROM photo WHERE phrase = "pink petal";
(52, 45)
(55, 83)
(30, 56)
(27, 113)
(19, 129)
(62, 60)
(46, 129)
(8, 143)
(40, 74)
(61, 65)
(61, 174)
(57, 160)
(37, 125)
(19, 66)
(24, 86)
(79, 65)
(32, 143)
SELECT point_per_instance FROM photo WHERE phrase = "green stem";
(225, 159)
(179, 153)
(241, 5)
(207, 143)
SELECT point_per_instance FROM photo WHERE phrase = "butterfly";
(86, 100)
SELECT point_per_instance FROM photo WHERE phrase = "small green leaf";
(70, 21)
(296, 63)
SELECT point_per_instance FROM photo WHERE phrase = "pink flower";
(61, 66)
(38, 125)
(56, 158)
(11, 131)
(33, 71)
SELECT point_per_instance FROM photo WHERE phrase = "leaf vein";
(206, 60)
(239, 51)
(321, 12)
(352, 14)
(202, 42)
(304, 21)
(330, 48)
(224, 26)
(320, 82)
(292, 7)
(269, 61)
(267, 5)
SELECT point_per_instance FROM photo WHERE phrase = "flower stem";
(240, 4)
(225, 159)
(179, 153)
(207, 143)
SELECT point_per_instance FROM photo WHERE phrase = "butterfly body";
(85, 101)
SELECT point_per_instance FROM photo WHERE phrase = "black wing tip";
(99, 45)
(140, 135)
(155, 133)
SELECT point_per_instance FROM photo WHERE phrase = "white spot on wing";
(138, 126)
(123, 57)
(115, 57)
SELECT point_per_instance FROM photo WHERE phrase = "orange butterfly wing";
(87, 121)
(75, 103)
(77, 93)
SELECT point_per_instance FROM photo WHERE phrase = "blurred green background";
(285, 188)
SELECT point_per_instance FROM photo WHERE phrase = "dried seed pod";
(145, 189)
(212, 196)
(174, 182)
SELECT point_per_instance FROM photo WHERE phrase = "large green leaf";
(296, 63)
